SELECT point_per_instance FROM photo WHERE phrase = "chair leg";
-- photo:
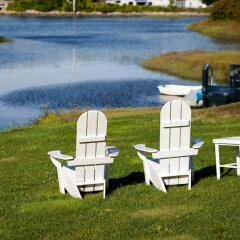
(217, 161)
(60, 180)
(157, 181)
(145, 167)
(192, 168)
(59, 165)
(238, 160)
(162, 185)
(104, 190)
(106, 175)
(189, 180)
(146, 172)
(71, 187)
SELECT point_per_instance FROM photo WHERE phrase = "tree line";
(219, 9)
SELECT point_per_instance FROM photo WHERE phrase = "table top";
(227, 140)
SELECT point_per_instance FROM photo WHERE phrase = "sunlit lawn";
(31, 206)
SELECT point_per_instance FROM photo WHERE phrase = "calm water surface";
(87, 62)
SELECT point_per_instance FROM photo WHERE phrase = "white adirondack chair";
(89, 170)
(173, 164)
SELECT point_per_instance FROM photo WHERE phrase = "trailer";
(214, 95)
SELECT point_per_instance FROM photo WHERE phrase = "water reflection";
(93, 62)
(74, 59)
(12, 116)
(135, 93)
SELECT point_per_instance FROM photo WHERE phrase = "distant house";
(139, 2)
(190, 4)
(162, 3)
(4, 4)
(128, 2)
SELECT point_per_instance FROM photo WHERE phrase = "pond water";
(88, 62)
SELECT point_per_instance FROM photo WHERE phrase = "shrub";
(67, 7)
(226, 10)
(4, 39)
(85, 6)
(39, 5)
(48, 118)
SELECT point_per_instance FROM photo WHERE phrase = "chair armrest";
(175, 153)
(143, 148)
(197, 143)
(57, 154)
(112, 151)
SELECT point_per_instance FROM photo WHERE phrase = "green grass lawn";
(31, 206)
(189, 64)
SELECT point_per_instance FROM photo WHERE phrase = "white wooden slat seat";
(173, 164)
(88, 171)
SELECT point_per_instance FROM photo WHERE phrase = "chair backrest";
(90, 139)
(91, 159)
(91, 135)
(175, 126)
(175, 129)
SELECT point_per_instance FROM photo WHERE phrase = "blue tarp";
(199, 95)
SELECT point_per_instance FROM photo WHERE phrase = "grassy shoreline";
(220, 29)
(4, 39)
(203, 115)
(33, 208)
(189, 64)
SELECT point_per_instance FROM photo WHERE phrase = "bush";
(20, 5)
(48, 118)
(4, 39)
(67, 7)
(226, 10)
(85, 6)
(39, 5)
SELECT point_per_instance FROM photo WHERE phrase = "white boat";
(177, 90)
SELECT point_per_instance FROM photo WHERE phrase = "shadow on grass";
(210, 171)
(206, 172)
(229, 172)
(131, 179)
(115, 183)
(138, 177)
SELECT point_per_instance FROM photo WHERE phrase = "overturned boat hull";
(177, 90)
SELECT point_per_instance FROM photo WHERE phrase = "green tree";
(39, 5)
(209, 2)
(226, 10)
(171, 3)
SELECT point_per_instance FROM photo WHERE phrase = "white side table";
(229, 141)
